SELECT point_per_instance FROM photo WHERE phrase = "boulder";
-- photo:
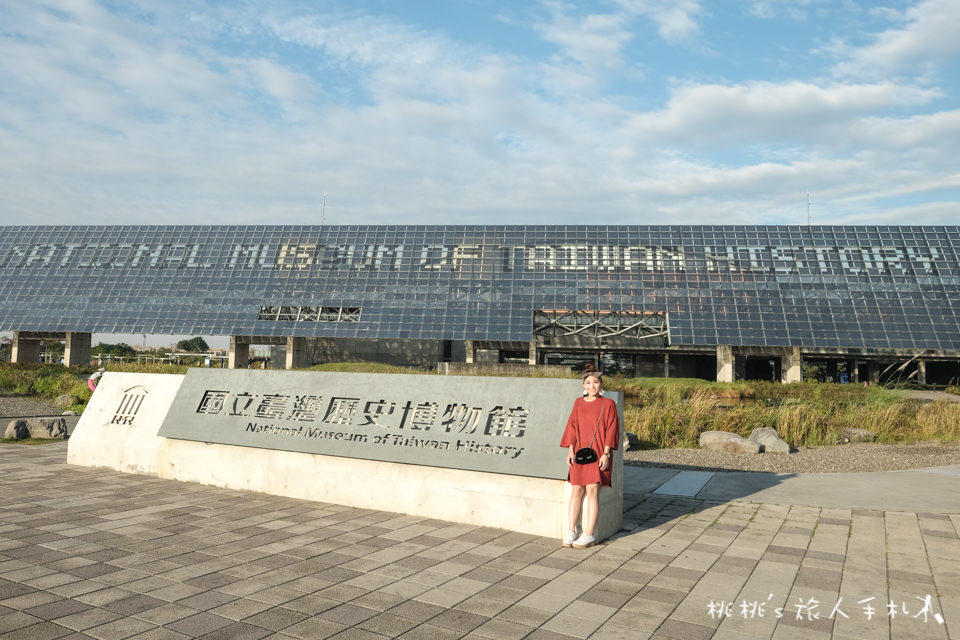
(631, 441)
(851, 434)
(769, 440)
(23, 428)
(70, 412)
(66, 400)
(726, 441)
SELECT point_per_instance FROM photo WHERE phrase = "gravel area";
(15, 406)
(844, 458)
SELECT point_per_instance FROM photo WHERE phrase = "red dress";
(580, 426)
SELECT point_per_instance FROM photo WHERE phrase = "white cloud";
(676, 20)
(365, 41)
(939, 131)
(793, 9)
(710, 116)
(928, 37)
(190, 135)
(931, 213)
(107, 118)
(290, 89)
(596, 40)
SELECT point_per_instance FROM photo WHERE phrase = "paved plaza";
(93, 553)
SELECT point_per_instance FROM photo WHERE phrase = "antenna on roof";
(808, 207)
(323, 210)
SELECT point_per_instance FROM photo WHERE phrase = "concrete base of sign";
(109, 435)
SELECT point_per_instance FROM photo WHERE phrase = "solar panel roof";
(820, 286)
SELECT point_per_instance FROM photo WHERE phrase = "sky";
(479, 112)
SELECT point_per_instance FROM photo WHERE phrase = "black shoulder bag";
(587, 454)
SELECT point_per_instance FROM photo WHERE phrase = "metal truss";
(309, 314)
(639, 325)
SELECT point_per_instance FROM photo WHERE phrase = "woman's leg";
(576, 499)
(592, 510)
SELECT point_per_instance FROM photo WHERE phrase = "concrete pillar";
(666, 365)
(853, 374)
(76, 352)
(873, 372)
(922, 371)
(470, 351)
(724, 363)
(297, 354)
(25, 349)
(532, 354)
(238, 357)
(791, 366)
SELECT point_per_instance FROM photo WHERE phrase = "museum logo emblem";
(129, 405)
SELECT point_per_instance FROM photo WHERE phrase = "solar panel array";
(823, 286)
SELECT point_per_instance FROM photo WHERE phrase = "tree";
(53, 347)
(193, 345)
(121, 349)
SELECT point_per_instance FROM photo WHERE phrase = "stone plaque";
(500, 425)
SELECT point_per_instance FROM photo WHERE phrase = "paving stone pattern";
(92, 553)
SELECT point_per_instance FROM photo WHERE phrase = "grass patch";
(46, 381)
(804, 414)
(30, 441)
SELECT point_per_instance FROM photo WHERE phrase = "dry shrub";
(891, 423)
(939, 420)
(744, 419)
(663, 424)
(804, 424)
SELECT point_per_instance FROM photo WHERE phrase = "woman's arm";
(611, 427)
(611, 435)
(569, 438)
(606, 458)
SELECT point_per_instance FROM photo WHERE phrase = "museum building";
(718, 302)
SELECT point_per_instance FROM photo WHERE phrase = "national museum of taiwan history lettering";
(714, 302)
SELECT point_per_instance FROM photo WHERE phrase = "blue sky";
(479, 112)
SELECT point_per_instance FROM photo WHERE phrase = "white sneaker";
(584, 541)
(569, 539)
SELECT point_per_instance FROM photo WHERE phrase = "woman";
(593, 423)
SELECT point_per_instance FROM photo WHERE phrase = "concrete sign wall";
(206, 414)
(499, 425)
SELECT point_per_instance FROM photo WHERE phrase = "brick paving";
(92, 553)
